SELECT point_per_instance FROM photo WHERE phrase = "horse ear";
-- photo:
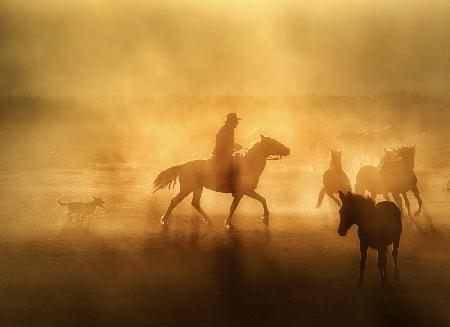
(341, 196)
(262, 137)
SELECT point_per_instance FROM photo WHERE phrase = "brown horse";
(334, 179)
(197, 174)
(378, 227)
(368, 177)
(398, 177)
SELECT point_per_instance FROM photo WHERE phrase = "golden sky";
(144, 48)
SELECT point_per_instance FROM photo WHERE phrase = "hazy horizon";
(104, 48)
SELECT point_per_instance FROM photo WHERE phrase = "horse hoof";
(208, 222)
(265, 220)
(416, 214)
(229, 227)
(163, 221)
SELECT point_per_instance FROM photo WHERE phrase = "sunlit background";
(98, 97)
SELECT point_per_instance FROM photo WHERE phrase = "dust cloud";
(98, 97)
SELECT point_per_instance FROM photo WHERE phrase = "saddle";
(226, 173)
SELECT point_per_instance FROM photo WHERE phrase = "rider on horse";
(222, 157)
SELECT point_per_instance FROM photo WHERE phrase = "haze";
(138, 48)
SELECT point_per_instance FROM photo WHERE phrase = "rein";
(270, 157)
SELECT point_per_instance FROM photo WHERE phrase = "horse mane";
(253, 147)
(357, 200)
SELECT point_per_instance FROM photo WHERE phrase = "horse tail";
(320, 197)
(166, 178)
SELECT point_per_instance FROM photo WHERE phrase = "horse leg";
(321, 196)
(398, 201)
(196, 204)
(234, 204)
(415, 191)
(261, 199)
(407, 203)
(173, 203)
(382, 259)
(362, 263)
(395, 254)
(331, 195)
(359, 189)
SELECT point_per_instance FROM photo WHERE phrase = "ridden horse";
(334, 179)
(378, 227)
(368, 177)
(195, 175)
(398, 177)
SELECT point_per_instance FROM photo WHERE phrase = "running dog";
(82, 209)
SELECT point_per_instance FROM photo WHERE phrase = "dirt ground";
(122, 268)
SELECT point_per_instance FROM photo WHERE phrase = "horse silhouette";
(195, 175)
(334, 179)
(398, 177)
(360, 145)
(368, 177)
(378, 227)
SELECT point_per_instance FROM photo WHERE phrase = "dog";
(82, 209)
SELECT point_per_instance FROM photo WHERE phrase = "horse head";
(98, 201)
(388, 155)
(407, 154)
(347, 213)
(273, 149)
(336, 158)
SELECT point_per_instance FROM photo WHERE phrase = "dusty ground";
(122, 268)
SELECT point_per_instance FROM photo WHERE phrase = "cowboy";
(223, 153)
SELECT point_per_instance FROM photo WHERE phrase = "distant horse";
(398, 177)
(378, 227)
(197, 174)
(358, 145)
(368, 177)
(334, 179)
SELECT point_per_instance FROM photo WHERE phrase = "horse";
(360, 145)
(334, 179)
(398, 177)
(195, 175)
(368, 177)
(379, 226)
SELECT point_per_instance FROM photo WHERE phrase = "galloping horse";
(362, 145)
(368, 177)
(378, 226)
(197, 174)
(334, 179)
(398, 177)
